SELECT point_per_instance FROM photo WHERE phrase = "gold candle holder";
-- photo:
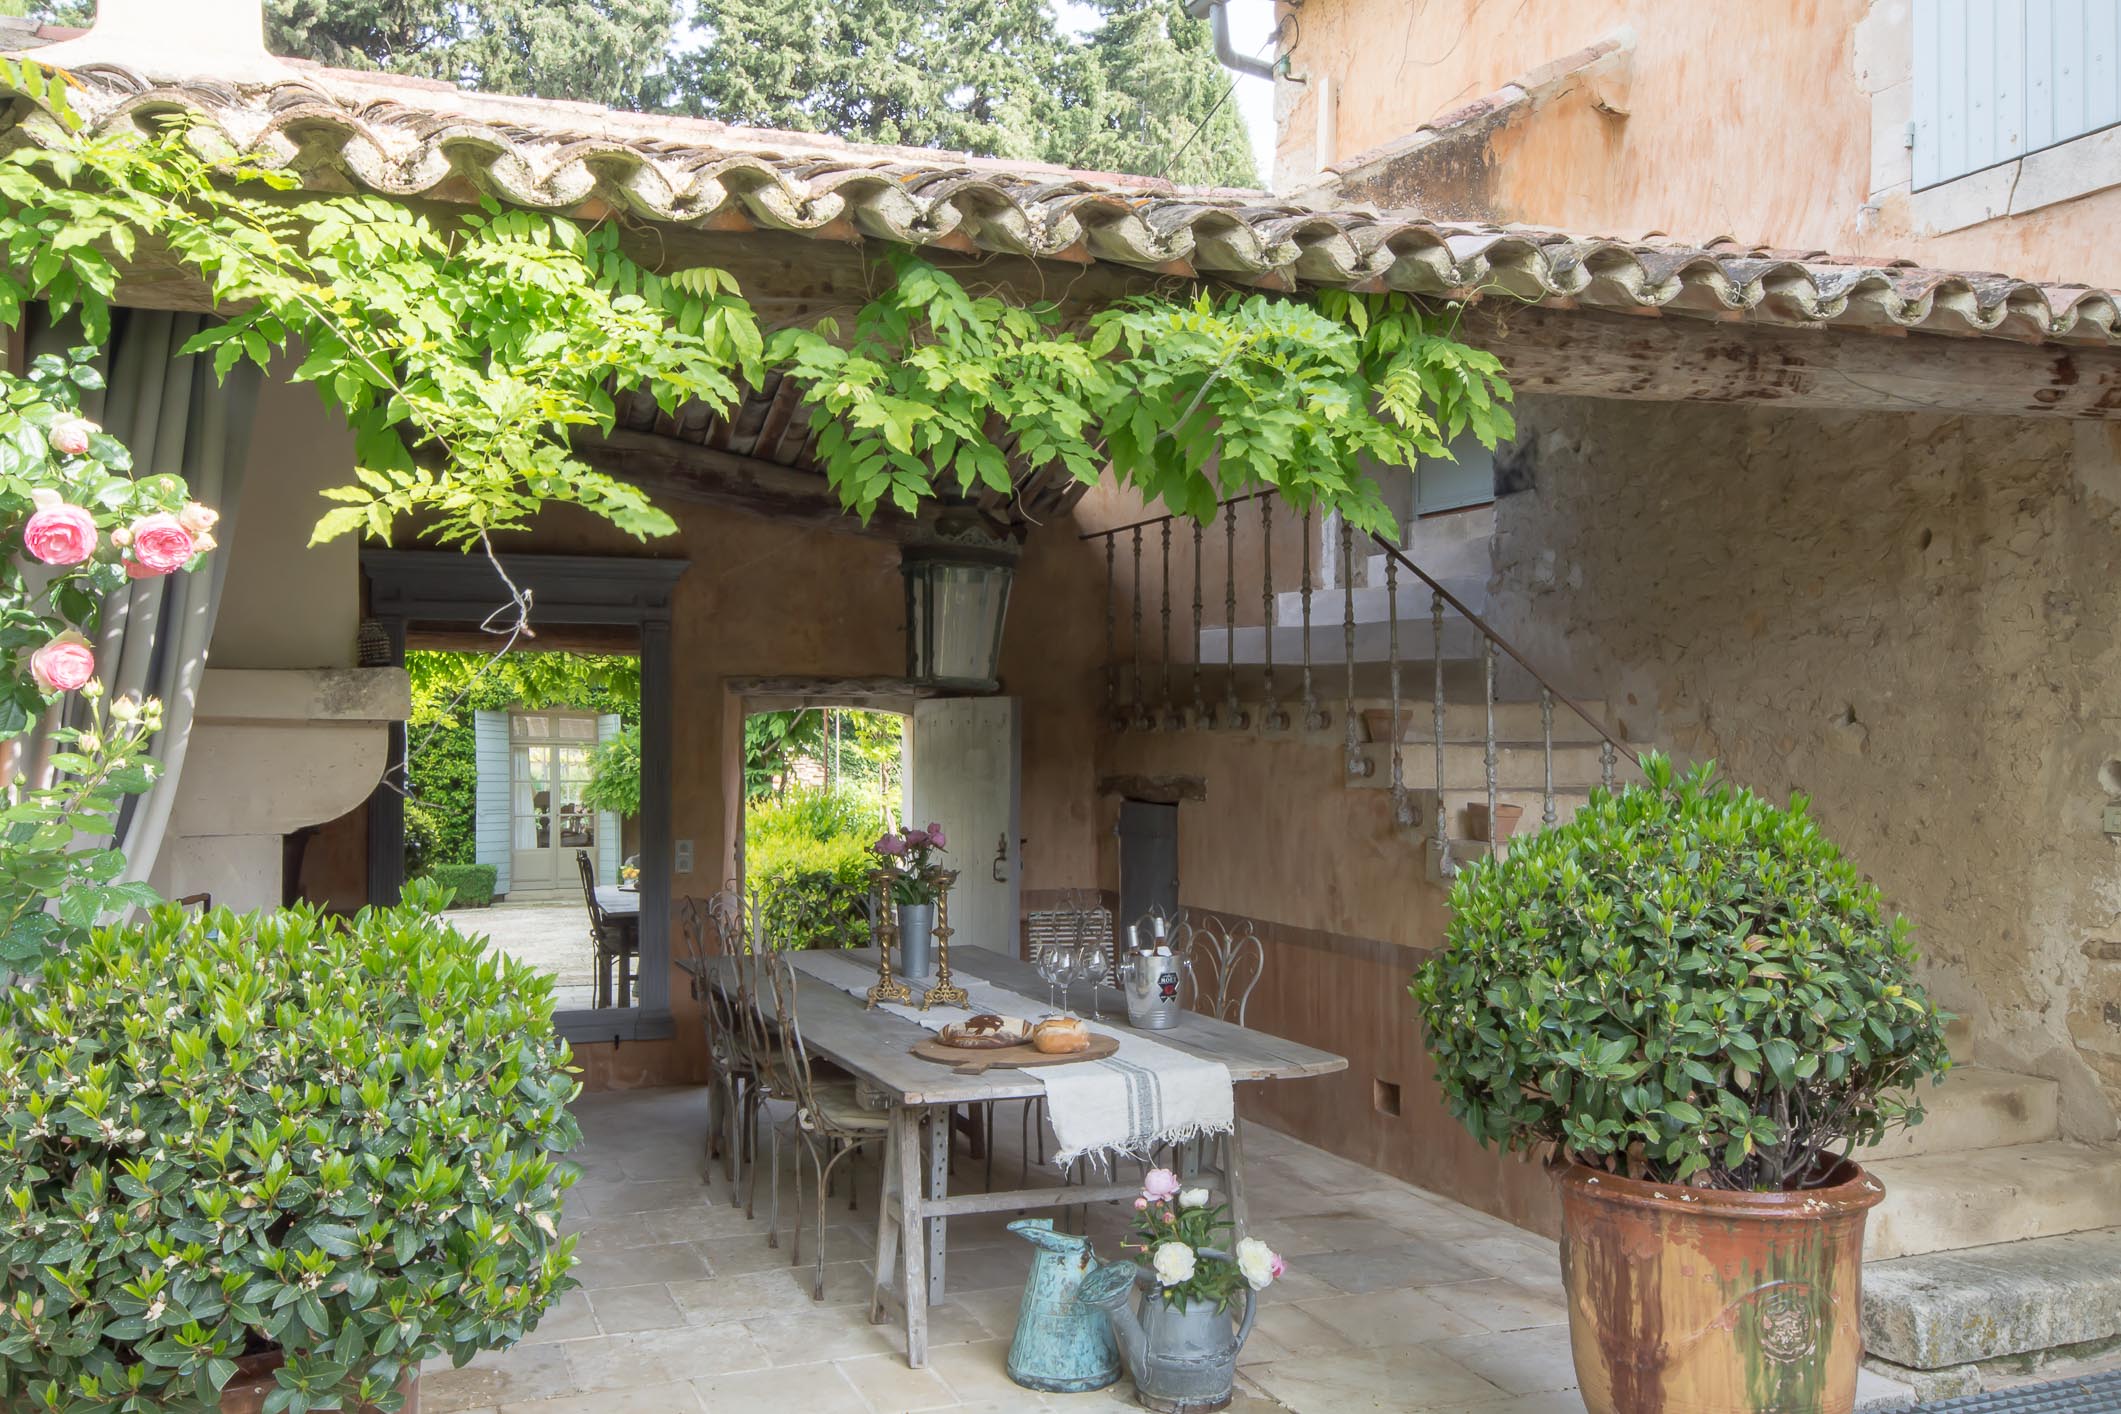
(887, 988)
(944, 992)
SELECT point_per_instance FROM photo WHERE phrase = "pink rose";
(891, 845)
(935, 835)
(69, 435)
(198, 519)
(1160, 1184)
(59, 534)
(160, 545)
(63, 665)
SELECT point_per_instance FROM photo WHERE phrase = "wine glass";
(1064, 963)
(1048, 969)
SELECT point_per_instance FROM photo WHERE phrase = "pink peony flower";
(198, 519)
(160, 545)
(57, 533)
(1160, 1184)
(63, 665)
(916, 839)
(935, 835)
(891, 845)
(69, 435)
(1141, 1203)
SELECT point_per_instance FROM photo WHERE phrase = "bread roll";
(1061, 1036)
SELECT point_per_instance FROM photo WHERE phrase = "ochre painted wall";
(1753, 122)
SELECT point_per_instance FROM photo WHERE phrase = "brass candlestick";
(943, 991)
(887, 988)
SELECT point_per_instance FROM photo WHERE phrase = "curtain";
(176, 417)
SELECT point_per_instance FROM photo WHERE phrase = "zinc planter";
(1709, 1301)
(916, 940)
(254, 1384)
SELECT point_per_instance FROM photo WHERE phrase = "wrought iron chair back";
(1223, 962)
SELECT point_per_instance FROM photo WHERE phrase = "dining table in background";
(876, 1046)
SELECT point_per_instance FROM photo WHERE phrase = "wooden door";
(963, 774)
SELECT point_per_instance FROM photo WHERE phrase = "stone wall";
(1911, 617)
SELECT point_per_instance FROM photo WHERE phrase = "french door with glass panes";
(550, 752)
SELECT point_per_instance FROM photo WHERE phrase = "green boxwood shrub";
(807, 855)
(469, 885)
(1683, 983)
(226, 1133)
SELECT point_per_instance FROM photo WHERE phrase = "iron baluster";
(1138, 711)
(1170, 717)
(1443, 810)
(1605, 764)
(1487, 670)
(1200, 701)
(1274, 719)
(1403, 811)
(1233, 710)
(1314, 719)
(1358, 764)
(1111, 627)
(1547, 814)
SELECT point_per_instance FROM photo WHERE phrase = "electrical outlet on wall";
(684, 856)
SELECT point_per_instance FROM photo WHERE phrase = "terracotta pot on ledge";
(1708, 1301)
(247, 1392)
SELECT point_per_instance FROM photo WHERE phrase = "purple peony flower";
(891, 845)
(935, 835)
(916, 839)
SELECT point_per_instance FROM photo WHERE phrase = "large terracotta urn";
(1708, 1301)
(247, 1392)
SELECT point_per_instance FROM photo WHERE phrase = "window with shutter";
(1997, 79)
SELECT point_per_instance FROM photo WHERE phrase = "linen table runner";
(1129, 1103)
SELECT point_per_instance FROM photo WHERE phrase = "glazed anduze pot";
(1705, 1301)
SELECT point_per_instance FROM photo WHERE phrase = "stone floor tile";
(671, 1261)
(1535, 1361)
(888, 1387)
(1292, 1333)
(568, 1318)
(801, 1389)
(734, 1256)
(1389, 1318)
(1389, 1267)
(1331, 1232)
(979, 1373)
(1406, 1379)
(1500, 1305)
(996, 1310)
(624, 1309)
(650, 1399)
(1553, 1402)
(832, 1333)
(657, 1357)
(496, 1377)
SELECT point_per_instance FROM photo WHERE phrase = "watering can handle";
(1244, 1327)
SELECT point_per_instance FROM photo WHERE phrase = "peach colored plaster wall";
(1744, 121)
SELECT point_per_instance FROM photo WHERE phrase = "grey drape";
(176, 417)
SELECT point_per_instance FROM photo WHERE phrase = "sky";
(1251, 25)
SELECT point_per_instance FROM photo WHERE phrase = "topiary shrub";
(225, 1134)
(1683, 983)
(469, 885)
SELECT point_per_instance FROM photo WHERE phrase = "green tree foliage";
(806, 853)
(1000, 78)
(597, 51)
(615, 774)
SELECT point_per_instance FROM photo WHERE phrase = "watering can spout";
(1111, 1289)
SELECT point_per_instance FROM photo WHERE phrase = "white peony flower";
(1174, 1263)
(1257, 1262)
(1193, 1198)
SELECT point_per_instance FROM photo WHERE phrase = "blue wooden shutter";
(1997, 79)
(491, 826)
(609, 845)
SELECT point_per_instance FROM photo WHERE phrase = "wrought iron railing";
(1153, 699)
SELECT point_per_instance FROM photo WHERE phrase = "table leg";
(887, 1225)
(938, 1187)
(1234, 1174)
(906, 1120)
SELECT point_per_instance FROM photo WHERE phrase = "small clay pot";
(1506, 818)
(248, 1391)
(1708, 1301)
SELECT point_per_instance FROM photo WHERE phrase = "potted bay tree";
(1691, 999)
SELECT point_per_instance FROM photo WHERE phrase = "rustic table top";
(878, 1045)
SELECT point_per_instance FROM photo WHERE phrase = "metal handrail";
(1169, 516)
(1500, 642)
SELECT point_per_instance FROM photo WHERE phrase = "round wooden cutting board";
(971, 1060)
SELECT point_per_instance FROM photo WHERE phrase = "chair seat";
(840, 1108)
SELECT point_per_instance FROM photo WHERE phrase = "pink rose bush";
(66, 664)
(156, 545)
(69, 436)
(908, 857)
(57, 533)
(1185, 1236)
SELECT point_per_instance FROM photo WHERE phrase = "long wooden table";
(876, 1046)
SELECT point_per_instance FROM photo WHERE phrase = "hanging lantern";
(956, 599)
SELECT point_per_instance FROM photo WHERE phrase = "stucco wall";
(1912, 618)
(1782, 126)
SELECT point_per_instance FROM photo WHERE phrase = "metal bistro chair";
(1222, 963)
(829, 1122)
(713, 928)
(613, 940)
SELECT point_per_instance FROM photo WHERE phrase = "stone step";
(1468, 720)
(1943, 1202)
(1945, 1309)
(1373, 605)
(1373, 643)
(1518, 766)
(1976, 1108)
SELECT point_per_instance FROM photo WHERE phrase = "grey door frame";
(447, 589)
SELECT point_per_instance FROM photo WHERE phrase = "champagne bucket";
(1149, 981)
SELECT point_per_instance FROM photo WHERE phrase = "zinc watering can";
(1183, 1362)
(1062, 1345)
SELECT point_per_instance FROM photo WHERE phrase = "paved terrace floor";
(1396, 1299)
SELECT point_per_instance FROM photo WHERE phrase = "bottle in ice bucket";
(1149, 978)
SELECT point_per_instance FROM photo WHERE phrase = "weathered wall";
(1779, 128)
(1912, 618)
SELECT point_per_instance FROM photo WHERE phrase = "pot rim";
(1854, 1191)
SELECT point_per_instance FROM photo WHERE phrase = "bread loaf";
(1061, 1036)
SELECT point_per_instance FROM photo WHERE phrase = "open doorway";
(821, 784)
(523, 785)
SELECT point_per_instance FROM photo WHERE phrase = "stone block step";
(1943, 1202)
(1976, 1108)
(1944, 1309)
(1517, 722)
(1518, 766)
(1373, 642)
(1373, 605)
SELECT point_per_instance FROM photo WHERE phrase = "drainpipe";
(1226, 51)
